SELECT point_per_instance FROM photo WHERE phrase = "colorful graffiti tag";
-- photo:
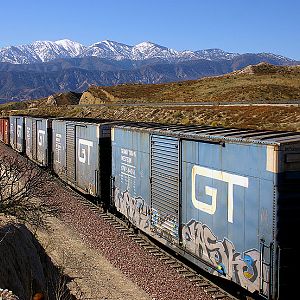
(242, 268)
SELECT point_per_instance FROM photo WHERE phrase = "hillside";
(258, 82)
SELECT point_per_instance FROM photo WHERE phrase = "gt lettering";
(84, 150)
(231, 179)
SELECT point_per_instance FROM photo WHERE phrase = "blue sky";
(232, 25)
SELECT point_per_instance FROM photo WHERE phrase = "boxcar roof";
(84, 120)
(217, 134)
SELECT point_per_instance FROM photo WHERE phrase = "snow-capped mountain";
(45, 51)
(41, 51)
(148, 50)
(42, 68)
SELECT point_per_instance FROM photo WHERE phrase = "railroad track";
(152, 248)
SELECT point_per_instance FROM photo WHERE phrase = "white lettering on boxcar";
(19, 131)
(231, 179)
(28, 133)
(41, 137)
(84, 150)
(58, 146)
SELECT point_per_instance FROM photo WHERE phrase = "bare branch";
(24, 190)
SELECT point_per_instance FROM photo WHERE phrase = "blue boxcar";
(17, 138)
(38, 139)
(226, 199)
(79, 148)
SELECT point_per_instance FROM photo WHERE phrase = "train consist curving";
(225, 199)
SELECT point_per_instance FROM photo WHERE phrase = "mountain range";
(45, 67)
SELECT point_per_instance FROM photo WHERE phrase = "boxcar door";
(42, 141)
(165, 186)
(70, 155)
(34, 138)
(20, 134)
(13, 123)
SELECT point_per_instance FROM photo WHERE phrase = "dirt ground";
(93, 275)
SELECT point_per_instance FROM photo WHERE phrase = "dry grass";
(255, 117)
(261, 82)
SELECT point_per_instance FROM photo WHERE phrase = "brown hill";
(259, 82)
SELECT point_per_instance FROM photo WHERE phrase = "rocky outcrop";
(69, 98)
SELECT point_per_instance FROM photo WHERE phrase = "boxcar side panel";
(41, 141)
(1, 130)
(4, 130)
(59, 148)
(28, 137)
(131, 175)
(17, 133)
(12, 137)
(227, 208)
(87, 157)
(20, 145)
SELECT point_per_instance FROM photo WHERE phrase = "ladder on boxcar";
(266, 269)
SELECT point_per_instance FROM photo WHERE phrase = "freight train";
(228, 200)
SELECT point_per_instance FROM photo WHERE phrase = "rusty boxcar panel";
(4, 130)
(38, 139)
(17, 140)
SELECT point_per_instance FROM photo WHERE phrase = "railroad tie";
(148, 247)
(203, 284)
(170, 262)
(158, 254)
(219, 296)
(211, 290)
(197, 279)
(120, 227)
(142, 243)
(164, 258)
(131, 235)
(183, 270)
(189, 275)
(176, 266)
(153, 251)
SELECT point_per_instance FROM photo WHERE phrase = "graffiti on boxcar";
(135, 209)
(243, 268)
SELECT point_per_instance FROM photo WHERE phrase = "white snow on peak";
(43, 51)
(74, 48)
